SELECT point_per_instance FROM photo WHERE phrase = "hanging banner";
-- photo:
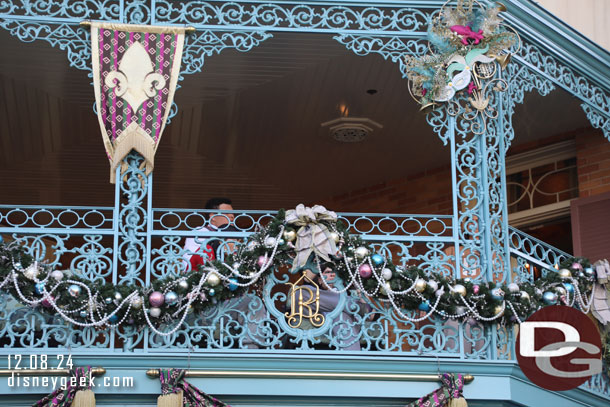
(135, 72)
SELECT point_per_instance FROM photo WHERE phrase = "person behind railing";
(194, 252)
(196, 255)
(329, 300)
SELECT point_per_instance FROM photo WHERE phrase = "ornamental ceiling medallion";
(466, 43)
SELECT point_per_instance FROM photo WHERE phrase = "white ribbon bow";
(312, 236)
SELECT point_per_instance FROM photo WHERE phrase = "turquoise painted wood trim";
(496, 382)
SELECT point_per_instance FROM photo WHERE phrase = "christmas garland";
(304, 238)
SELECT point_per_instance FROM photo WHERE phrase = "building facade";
(261, 86)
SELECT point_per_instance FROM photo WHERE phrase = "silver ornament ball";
(136, 302)
(155, 312)
(361, 252)
(386, 273)
(74, 290)
(270, 242)
(57, 275)
(513, 288)
(183, 284)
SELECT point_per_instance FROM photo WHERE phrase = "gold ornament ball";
(334, 236)
(498, 310)
(564, 273)
(420, 285)
(213, 280)
(460, 289)
(290, 235)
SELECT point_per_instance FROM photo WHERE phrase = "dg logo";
(559, 348)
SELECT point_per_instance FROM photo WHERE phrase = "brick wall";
(427, 192)
(593, 160)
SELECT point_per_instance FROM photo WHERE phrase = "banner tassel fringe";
(458, 402)
(84, 398)
(170, 400)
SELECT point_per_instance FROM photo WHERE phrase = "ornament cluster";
(465, 42)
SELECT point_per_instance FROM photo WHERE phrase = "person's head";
(222, 204)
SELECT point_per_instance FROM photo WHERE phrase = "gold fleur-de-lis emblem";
(135, 80)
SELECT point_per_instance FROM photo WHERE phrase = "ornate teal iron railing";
(133, 242)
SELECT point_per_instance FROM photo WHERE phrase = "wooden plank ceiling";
(248, 127)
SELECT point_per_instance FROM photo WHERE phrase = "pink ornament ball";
(365, 271)
(46, 303)
(576, 266)
(475, 289)
(262, 260)
(156, 299)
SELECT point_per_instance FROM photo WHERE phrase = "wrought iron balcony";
(88, 242)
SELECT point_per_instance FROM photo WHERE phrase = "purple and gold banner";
(135, 72)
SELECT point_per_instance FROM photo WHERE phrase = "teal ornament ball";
(233, 284)
(589, 272)
(74, 290)
(549, 298)
(424, 306)
(569, 287)
(377, 259)
(83, 314)
(212, 292)
(171, 298)
(39, 288)
(497, 294)
(113, 319)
